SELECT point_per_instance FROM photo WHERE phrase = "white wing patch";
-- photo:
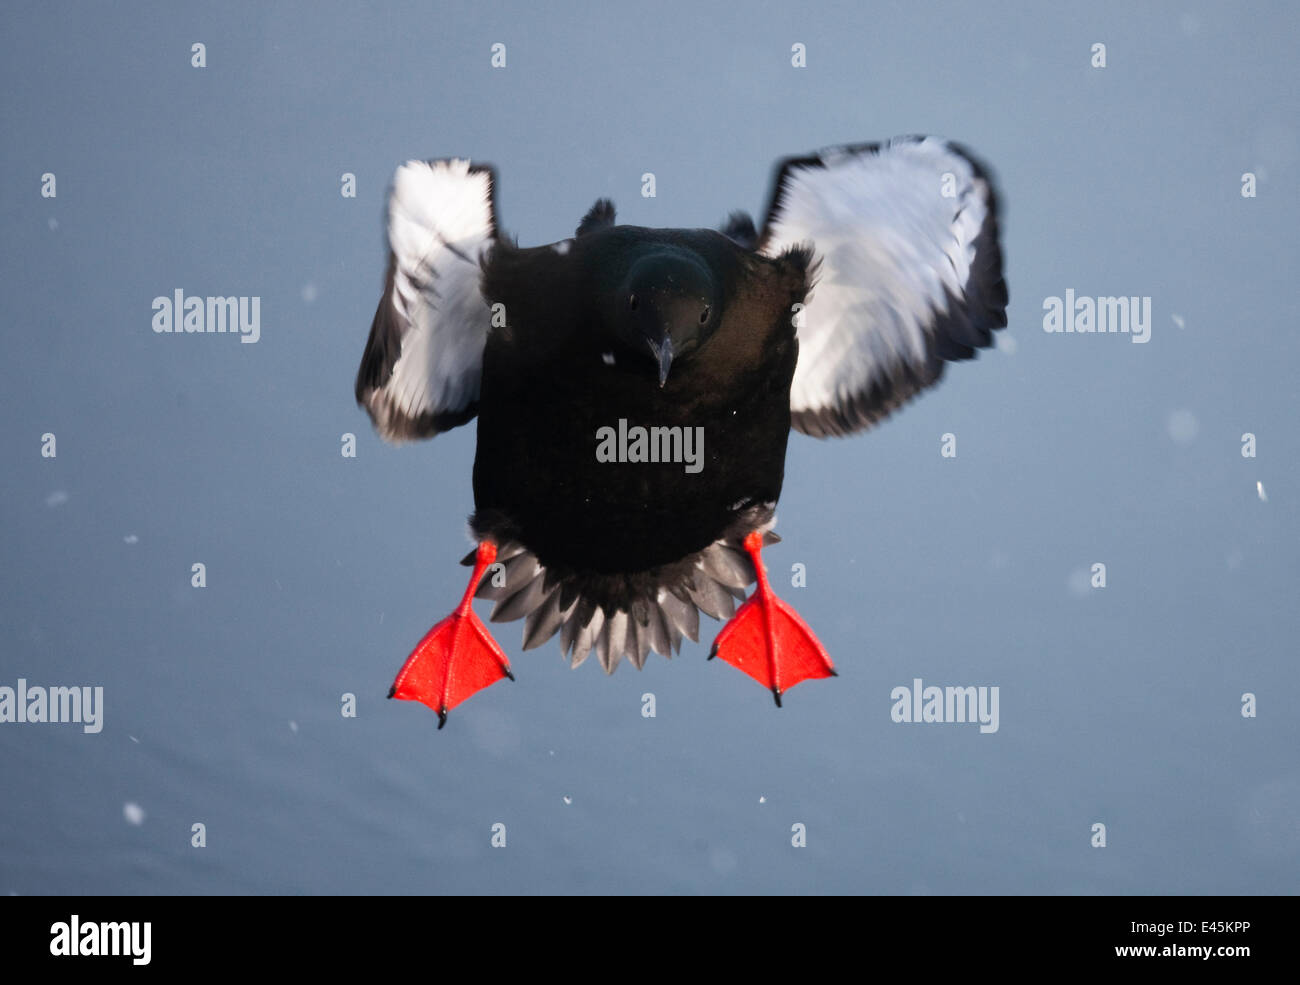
(896, 230)
(422, 367)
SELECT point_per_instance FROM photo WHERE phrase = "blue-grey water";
(1119, 706)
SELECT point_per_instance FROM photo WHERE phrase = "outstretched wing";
(910, 275)
(420, 372)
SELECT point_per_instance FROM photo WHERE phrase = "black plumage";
(560, 369)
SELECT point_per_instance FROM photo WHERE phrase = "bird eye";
(704, 315)
(631, 302)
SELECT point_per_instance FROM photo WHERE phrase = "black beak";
(664, 353)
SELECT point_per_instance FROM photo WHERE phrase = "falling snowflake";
(1259, 488)
(56, 498)
(1182, 426)
(133, 813)
(309, 293)
(131, 539)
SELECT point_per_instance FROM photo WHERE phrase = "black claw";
(713, 652)
(777, 695)
(510, 675)
(392, 690)
(834, 672)
(442, 718)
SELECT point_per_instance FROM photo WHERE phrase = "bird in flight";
(635, 389)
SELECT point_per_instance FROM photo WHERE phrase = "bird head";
(667, 306)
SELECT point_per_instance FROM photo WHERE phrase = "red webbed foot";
(767, 639)
(457, 658)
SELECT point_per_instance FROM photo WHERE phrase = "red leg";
(457, 658)
(767, 639)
